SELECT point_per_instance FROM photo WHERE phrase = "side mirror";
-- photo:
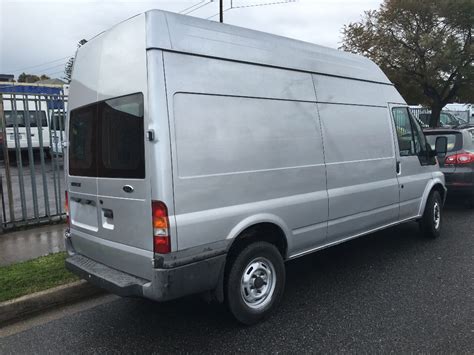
(441, 146)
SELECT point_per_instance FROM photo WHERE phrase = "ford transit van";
(200, 157)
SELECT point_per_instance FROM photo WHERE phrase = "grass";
(33, 275)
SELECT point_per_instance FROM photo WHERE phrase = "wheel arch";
(252, 229)
(435, 184)
(262, 227)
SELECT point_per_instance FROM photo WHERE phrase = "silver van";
(200, 157)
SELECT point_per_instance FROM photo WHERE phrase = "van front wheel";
(255, 282)
(430, 223)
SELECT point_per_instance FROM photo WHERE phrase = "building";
(7, 78)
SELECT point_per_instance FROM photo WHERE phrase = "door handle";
(399, 168)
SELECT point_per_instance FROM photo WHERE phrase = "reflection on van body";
(218, 153)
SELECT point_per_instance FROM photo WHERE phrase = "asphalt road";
(390, 291)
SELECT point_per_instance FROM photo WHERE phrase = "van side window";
(404, 130)
(411, 139)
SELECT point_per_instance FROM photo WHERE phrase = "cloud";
(37, 32)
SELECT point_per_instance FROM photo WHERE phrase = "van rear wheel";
(255, 282)
(430, 223)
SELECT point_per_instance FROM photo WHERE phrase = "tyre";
(430, 223)
(470, 202)
(255, 282)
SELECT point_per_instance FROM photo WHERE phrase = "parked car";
(209, 155)
(458, 165)
(18, 118)
(446, 120)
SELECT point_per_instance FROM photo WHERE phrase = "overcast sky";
(37, 36)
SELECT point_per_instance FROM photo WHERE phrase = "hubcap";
(258, 283)
(436, 215)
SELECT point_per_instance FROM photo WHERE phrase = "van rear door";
(109, 190)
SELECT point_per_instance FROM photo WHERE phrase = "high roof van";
(200, 157)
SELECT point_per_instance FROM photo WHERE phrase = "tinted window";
(454, 140)
(36, 117)
(122, 137)
(106, 139)
(83, 141)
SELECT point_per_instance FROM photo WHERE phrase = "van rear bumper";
(166, 284)
(105, 277)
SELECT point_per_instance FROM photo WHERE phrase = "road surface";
(390, 291)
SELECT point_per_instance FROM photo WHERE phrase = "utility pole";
(221, 11)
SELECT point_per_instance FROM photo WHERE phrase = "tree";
(424, 47)
(70, 62)
(31, 78)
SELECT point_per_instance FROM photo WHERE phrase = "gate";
(31, 155)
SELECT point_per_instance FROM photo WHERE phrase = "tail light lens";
(66, 208)
(459, 159)
(161, 237)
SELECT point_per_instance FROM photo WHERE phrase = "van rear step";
(117, 282)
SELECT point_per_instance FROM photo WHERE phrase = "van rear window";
(83, 141)
(122, 138)
(107, 139)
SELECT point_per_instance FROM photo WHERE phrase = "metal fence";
(31, 158)
(417, 111)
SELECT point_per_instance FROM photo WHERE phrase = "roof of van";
(180, 33)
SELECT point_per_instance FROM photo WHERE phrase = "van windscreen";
(106, 139)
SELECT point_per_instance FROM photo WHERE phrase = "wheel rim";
(436, 215)
(258, 283)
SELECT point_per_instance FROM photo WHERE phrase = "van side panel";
(361, 167)
(241, 149)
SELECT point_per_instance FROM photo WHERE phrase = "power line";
(197, 8)
(55, 73)
(252, 5)
(53, 67)
(229, 8)
(39, 65)
(190, 7)
(265, 4)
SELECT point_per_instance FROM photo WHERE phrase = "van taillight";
(161, 237)
(66, 207)
(459, 159)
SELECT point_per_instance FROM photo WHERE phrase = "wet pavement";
(32, 243)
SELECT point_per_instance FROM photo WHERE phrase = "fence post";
(6, 160)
